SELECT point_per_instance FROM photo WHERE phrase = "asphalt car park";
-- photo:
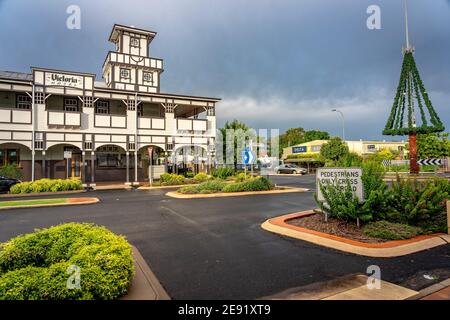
(215, 248)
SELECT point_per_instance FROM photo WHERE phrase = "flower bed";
(399, 210)
(218, 185)
(38, 266)
(375, 232)
(47, 185)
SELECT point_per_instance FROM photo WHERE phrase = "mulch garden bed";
(334, 227)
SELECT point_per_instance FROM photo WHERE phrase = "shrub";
(211, 186)
(47, 185)
(188, 190)
(171, 179)
(418, 203)
(223, 173)
(411, 202)
(188, 174)
(200, 177)
(11, 171)
(35, 266)
(390, 231)
(241, 176)
(251, 184)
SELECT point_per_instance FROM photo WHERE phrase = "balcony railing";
(14, 115)
(152, 123)
(64, 118)
(192, 124)
(110, 121)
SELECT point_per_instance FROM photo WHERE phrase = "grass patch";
(18, 203)
(391, 231)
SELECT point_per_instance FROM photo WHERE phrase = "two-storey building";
(59, 124)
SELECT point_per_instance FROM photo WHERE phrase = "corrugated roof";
(16, 75)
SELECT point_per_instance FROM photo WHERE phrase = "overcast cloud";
(275, 63)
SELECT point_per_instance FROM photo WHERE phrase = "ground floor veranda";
(108, 163)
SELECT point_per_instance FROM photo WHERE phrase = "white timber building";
(62, 124)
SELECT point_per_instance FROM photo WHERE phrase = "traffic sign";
(248, 157)
(67, 154)
(427, 162)
(341, 178)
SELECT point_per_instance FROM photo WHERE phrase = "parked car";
(6, 183)
(290, 168)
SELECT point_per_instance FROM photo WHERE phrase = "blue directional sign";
(248, 156)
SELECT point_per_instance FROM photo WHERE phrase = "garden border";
(38, 194)
(87, 200)
(380, 250)
(177, 195)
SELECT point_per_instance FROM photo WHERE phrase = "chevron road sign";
(386, 163)
(427, 162)
(248, 157)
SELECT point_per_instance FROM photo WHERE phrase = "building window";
(371, 148)
(39, 98)
(135, 42)
(23, 102)
(108, 160)
(102, 107)
(147, 76)
(139, 111)
(71, 104)
(124, 73)
(9, 156)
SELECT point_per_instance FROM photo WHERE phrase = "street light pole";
(343, 122)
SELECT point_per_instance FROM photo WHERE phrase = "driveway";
(215, 248)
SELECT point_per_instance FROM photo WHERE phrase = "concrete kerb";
(145, 285)
(40, 194)
(381, 250)
(68, 203)
(177, 195)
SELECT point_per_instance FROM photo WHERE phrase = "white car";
(290, 168)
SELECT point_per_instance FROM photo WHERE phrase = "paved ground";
(215, 248)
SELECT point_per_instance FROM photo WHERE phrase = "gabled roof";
(16, 75)
(118, 27)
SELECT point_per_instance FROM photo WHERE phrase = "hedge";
(218, 185)
(171, 179)
(47, 185)
(36, 266)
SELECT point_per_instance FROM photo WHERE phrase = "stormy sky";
(275, 63)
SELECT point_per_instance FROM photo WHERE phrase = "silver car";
(291, 168)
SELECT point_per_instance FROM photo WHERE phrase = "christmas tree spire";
(412, 111)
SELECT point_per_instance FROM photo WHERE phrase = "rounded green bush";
(200, 177)
(171, 179)
(47, 185)
(251, 184)
(36, 266)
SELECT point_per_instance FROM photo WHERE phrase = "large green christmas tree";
(412, 112)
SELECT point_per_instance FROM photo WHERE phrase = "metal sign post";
(150, 166)
(67, 156)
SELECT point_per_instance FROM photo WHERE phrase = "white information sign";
(340, 177)
(63, 80)
(67, 154)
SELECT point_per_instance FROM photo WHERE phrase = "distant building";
(361, 147)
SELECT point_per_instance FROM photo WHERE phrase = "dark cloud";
(286, 60)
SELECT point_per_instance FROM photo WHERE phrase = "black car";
(6, 183)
